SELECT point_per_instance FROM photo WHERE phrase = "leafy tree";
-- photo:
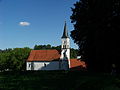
(73, 53)
(42, 47)
(57, 47)
(96, 31)
(19, 57)
(4, 61)
(46, 47)
(14, 59)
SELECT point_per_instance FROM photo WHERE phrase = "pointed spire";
(65, 33)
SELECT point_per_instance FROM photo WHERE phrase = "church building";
(53, 59)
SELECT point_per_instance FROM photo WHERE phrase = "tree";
(4, 61)
(46, 47)
(42, 47)
(96, 31)
(73, 53)
(14, 59)
(19, 57)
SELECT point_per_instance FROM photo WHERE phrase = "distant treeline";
(15, 59)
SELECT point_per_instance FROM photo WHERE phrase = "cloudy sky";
(24, 23)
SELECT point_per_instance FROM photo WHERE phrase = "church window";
(64, 42)
(63, 46)
(45, 65)
(29, 65)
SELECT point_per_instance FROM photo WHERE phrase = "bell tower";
(65, 47)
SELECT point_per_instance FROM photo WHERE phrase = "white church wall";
(53, 65)
(28, 66)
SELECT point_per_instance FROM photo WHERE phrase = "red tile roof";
(77, 64)
(44, 55)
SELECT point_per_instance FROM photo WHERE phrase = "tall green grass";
(58, 80)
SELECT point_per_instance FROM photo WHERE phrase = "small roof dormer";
(65, 33)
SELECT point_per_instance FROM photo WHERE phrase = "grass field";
(58, 80)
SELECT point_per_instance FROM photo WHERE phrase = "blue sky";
(24, 23)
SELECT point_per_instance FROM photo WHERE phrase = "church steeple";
(65, 50)
(65, 33)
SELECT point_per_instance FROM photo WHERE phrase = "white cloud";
(24, 23)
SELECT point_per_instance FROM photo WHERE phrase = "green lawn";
(58, 80)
